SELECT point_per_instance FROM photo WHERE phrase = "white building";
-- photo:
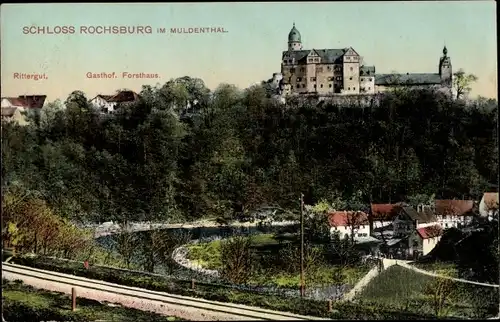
(488, 207)
(453, 213)
(430, 237)
(104, 103)
(108, 103)
(346, 223)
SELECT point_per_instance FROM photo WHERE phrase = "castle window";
(354, 88)
(299, 79)
(314, 85)
(321, 85)
(329, 68)
(313, 79)
(330, 78)
(330, 85)
(348, 88)
(291, 86)
(370, 79)
(368, 88)
(350, 78)
(368, 72)
(361, 72)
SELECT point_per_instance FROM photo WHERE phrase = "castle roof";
(408, 79)
(294, 35)
(328, 56)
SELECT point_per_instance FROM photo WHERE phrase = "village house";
(488, 207)
(409, 219)
(381, 218)
(453, 213)
(423, 240)
(348, 223)
(16, 108)
(416, 232)
(108, 103)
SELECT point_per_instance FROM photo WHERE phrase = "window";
(361, 72)
(362, 88)
(328, 68)
(330, 78)
(354, 88)
(330, 85)
(368, 73)
(352, 69)
(292, 70)
(321, 85)
(302, 69)
(314, 85)
(313, 79)
(348, 88)
(291, 86)
(370, 79)
(350, 78)
(299, 79)
(368, 88)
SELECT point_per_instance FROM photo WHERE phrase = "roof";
(124, 96)
(425, 216)
(453, 207)
(121, 97)
(8, 111)
(430, 231)
(408, 79)
(328, 56)
(366, 70)
(27, 101)
(347, 218)
(294, 35)
(385, 211)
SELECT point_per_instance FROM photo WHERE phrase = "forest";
(237, 150)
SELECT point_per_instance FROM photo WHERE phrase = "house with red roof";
(350, 224)
(15, 108)
(454, 213)
(424, 239)
(108, 103)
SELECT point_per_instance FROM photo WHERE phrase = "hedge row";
(341, 310)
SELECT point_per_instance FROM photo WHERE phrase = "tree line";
(183, 152)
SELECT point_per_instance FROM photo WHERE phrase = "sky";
(402, 37)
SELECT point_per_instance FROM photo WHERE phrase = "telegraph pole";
(302, 273)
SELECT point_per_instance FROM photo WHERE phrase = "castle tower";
(294, 39)
(445, 71)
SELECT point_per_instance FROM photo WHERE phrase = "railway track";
(159, 302)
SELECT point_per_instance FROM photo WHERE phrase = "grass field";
(24, 303)
(208, 256)
(401, 287)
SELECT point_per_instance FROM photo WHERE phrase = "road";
(163, 303)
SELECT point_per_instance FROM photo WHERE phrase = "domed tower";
(445, 70)
(294, 39)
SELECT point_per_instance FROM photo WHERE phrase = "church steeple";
(445, 70)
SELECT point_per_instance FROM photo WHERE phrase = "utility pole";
(302, 277)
